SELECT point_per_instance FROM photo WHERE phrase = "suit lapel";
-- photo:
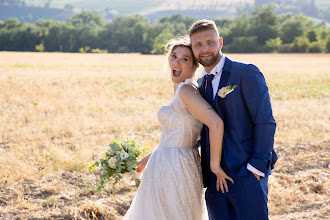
(201, 85)
(224, 77)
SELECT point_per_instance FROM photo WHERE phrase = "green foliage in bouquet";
(119, 157)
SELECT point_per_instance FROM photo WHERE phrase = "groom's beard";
(213, 60)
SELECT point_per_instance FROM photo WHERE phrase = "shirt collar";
(217, 69)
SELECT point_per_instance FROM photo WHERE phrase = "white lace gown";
(172, 186)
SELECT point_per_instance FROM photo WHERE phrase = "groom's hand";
(257, 176)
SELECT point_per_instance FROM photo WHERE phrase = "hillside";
(31, 14)
(30, 10)
(129, 7)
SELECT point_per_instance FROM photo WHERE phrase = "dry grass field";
(56, 110)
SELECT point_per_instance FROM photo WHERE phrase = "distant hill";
(122, 7)
(32, 10)
(33, 14)
(198, 14)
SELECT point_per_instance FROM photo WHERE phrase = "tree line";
(307, 7)
(260, 31)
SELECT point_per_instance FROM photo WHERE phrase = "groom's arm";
(257, 100)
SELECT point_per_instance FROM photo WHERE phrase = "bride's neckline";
(187, 81)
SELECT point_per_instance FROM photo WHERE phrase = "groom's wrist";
(254, 170)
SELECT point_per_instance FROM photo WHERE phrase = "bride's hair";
(182, 41)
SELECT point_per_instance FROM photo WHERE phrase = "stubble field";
(56, 110)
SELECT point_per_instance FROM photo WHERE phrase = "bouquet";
(119, 160)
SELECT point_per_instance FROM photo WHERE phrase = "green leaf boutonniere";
(226, 90)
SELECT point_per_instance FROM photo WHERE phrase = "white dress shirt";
(217, 72)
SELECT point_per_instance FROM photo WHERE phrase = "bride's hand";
(140, 166)
(221, 180)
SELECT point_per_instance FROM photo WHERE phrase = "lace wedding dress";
(171, 186)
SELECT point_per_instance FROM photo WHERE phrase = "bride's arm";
(204, 112)
(141, 164)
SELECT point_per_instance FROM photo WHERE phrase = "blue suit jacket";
(249, 126)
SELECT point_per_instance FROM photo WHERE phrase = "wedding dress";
(171, 186)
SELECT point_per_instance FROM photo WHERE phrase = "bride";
(172, 186)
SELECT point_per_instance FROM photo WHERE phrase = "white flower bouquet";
(119, 159)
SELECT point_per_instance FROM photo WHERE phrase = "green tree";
(292, 28)
(264, 15)
(23, 37)
(161, 40)
(328, 45)
(86, 18)
(127, 34)
(311, 35)
(272, 45)
(12, 23)
(142, 37)
(263, 24)
(245, 44)
(301, 45)
(176, 19)
(85, 36)
(40, 47)
(60, 37)
(238, 28)
(223, 23)
(316, 47)
(262, 31)
(285, 48)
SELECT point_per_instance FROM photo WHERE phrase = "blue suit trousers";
(246, 199)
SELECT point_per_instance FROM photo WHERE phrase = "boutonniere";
(226, 90)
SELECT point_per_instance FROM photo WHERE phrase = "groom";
(239, 94)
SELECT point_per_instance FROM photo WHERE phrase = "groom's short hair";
(203, 25)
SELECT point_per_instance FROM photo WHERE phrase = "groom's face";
(206, 46)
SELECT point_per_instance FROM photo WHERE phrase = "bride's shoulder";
(187, 90)
(188, 83)
(191, 81)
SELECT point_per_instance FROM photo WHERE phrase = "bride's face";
(181, 64)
